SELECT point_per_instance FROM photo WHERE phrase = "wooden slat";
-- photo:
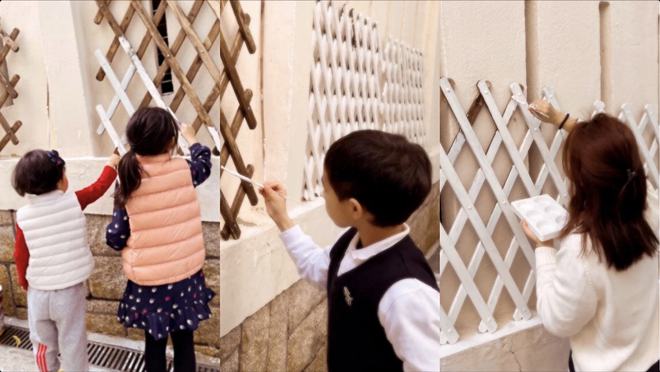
(176, 46)
(104, 11)
(226, 147)
(243, 27)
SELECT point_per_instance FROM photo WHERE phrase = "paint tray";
(545, 216)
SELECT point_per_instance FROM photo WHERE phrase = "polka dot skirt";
(165, 308)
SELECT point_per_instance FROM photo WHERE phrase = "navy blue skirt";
(166, 308)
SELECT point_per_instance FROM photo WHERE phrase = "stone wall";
(289, 333)
(107, 283)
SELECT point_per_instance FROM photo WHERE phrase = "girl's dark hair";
(150, 131)
(38, 172)
(388, 175)
(608, 192)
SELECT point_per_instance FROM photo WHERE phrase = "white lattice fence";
(355, 86)
(550, 174)
(403, 103)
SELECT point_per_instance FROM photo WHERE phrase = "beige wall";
(537, 44)
(58, 90)
(488, 44)
(257, 263)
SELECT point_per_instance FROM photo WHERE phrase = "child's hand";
(188, 133)
(25, 287)
(113, 161)
(544, 111)
(533, 237)
(274, 195)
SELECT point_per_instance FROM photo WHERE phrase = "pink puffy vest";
(166, 243)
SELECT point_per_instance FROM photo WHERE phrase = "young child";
(383, 300)
(601, 288)
(157, 226)
(53, 259)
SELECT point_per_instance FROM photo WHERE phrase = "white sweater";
(610, 317)
(56, 235)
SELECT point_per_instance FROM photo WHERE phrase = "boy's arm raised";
(93, 192)
(312, 261)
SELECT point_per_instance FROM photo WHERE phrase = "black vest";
(356, 339)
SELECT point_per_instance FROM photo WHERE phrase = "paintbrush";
(242, 177)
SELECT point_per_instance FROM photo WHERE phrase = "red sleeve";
(93, 192)
(21, 256)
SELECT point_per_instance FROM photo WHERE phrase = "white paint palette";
(544, 215)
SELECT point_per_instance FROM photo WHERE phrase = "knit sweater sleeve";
(21, 257)
(93, 192)
(566, 298)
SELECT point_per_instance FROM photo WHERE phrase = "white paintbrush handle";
(242, 177)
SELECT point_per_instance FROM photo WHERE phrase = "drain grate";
(112, 357)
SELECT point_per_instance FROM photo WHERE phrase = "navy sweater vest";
(356, 339)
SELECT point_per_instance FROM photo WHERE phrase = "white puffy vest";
(56, 235)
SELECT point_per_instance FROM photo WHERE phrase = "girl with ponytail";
(157, 227)
(600, 289)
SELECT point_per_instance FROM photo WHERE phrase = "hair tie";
(631, 174)
(55, 158)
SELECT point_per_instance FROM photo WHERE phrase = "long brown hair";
(150, 131)
(608, 192)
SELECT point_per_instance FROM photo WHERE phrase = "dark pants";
(184, 352)
(654, 368)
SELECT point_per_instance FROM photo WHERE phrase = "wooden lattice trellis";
(7, 44)
(354, 86)
(549, 174)
(230, 50)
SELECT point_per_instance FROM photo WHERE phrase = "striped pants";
(57, 326)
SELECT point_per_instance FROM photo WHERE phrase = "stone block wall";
(289, 333)
(107, 283)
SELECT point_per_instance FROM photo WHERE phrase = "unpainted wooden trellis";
(485, 177)
(222, 77)
(8, 87)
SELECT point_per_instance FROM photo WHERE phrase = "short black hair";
(35, 173)
(388, 175)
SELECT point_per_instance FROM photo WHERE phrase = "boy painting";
(383, 300)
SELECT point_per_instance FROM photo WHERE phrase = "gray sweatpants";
(57, 325)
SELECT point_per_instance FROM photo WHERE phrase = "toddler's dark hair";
(37, 173)
(150, 131)
(388, 175)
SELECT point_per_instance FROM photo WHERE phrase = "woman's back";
(610, 316)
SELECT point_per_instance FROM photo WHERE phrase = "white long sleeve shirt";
(610, 317)
(409, 310)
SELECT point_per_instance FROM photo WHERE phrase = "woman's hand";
(533, 238)
(274, 194)
(544, 111)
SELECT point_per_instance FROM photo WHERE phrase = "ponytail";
(130, 178)
(150, 131)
